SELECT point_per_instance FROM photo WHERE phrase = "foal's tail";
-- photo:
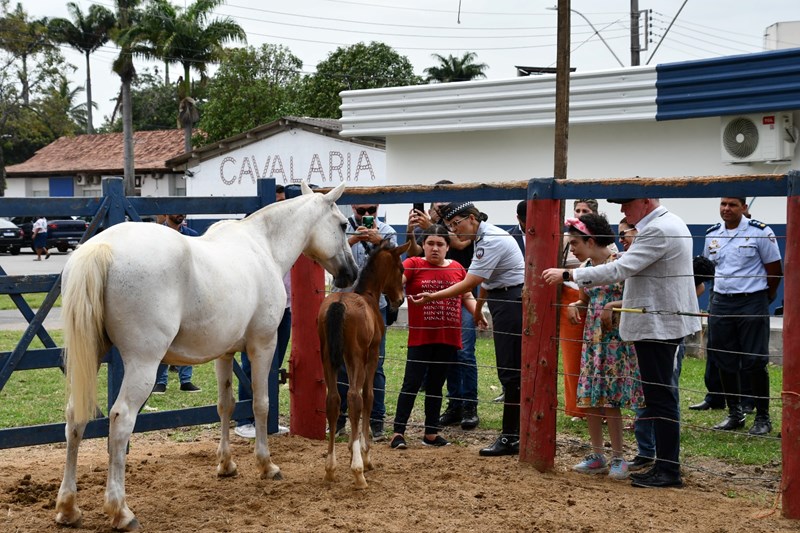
(84, 333)
(334, 328)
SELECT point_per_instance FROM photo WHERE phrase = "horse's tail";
(334, 327)
(84, 332)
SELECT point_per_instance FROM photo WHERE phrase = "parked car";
(10, 237)
(63, 233)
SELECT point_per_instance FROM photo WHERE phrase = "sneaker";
(377, 432)
(398, 443)
(246, 431)
(640, 463)
(282, 430)
(619, 468)
(190, 387)
(159, 388)
(341, 423)
(451, 417)
(595, 463)
(500, 399)
(437, 442)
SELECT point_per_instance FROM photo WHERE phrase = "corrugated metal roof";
(752, 83)
(101, 154)
(623, 94)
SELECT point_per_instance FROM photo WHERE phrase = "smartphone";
(368, 221)
(419, 207)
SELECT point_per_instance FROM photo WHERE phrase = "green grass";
(37, 397)
(34, 300)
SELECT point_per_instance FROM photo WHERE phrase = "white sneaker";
(282, 430)
(247, 431)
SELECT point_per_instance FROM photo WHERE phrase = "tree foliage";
(252, 86)
(453, 68)
(86, 33)
(153, 103)
(359, 66)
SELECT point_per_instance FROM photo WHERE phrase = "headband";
(578, 225)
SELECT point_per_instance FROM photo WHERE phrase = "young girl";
(609, 373)
(434, 333)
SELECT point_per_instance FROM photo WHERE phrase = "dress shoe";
(451, 417)
(658, 480)
(731, 423)
(504, 445)
(705, 406)
(761, 426)
(470, 418)
(748, 408)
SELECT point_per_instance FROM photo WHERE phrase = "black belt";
(739, 294)
(505, 289)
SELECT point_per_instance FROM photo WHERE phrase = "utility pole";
(635, 33)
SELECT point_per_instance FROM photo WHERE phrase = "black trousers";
(738, 342)
(657, 360)
(432, 360)
(505, 306)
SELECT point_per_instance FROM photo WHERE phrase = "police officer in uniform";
(748, 271)
(499, 268)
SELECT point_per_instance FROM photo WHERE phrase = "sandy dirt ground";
(172, 486)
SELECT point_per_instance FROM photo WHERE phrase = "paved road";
(22, 264)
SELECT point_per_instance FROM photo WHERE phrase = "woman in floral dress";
(609, 373)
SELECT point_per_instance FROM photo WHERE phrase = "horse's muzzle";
(346, 275)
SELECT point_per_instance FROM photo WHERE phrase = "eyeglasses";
(454, 224)
(365, 210)
(624, 233)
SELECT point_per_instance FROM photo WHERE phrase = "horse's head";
(327, 244)
(390, 266)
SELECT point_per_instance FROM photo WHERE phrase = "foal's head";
(384, 272)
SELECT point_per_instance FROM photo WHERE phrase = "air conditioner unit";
(96, 180)
(764, 137)
(81, 179)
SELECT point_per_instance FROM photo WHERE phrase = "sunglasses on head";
(367, 210)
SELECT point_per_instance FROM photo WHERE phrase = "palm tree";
(127, 34)
(86, 33)
(193, 40)
(452, 68)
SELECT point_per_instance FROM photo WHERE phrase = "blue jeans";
(462, 377)
(644, 430)
(184, 374)
(378, 386)
(245, 393)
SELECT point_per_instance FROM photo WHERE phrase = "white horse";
(159, 296)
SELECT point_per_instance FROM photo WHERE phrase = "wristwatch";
(566, 275)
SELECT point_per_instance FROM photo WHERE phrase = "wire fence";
(759, 476)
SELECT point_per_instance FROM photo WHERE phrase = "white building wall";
(611, 150)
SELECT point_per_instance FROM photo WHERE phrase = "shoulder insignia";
(757, 224)
(715, 227)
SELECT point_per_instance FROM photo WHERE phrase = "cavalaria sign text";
(340, 167)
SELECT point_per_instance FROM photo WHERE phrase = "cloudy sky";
(503, 33)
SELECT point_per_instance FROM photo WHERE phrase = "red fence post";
(306, 380)
(790, 423)
(539, 320)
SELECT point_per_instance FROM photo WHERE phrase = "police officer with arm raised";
(747, 275)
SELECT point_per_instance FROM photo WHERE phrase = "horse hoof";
(278, 476)
(229, 471)
(63, 521)
(132, 525)
(361, 485)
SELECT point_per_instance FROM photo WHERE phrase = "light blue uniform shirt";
(497, 258)
(739, 256)
(360, 253)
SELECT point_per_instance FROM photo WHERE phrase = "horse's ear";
(402, 249)
(305, 189)
(335, 194)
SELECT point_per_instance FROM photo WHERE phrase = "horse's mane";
(367, 273)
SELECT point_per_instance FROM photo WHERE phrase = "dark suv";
(63, 233)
